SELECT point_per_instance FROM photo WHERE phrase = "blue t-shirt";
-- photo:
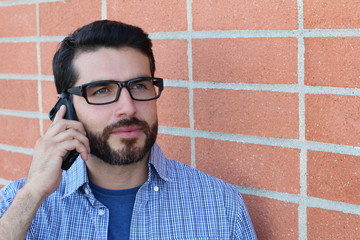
(120, 204)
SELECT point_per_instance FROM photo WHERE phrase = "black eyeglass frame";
(81, 90)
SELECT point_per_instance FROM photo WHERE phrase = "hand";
(63, 135)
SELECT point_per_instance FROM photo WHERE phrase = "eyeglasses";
(108, 91)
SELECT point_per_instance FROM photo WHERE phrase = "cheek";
(92, 117)
(148, 112)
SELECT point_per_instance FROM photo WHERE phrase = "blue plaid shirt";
(176, 202)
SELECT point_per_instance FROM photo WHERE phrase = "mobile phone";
(64, 99)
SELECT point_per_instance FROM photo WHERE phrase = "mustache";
(126, 122)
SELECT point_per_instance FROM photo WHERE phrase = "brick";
(173, 107)
(14, 165)
(267, 114)
(246, 60)
(332, 118)
(47, 50)
(19, 95)
(250, 165)
(334, 176)
(49, 95)
(63, 17)
(331, 14)
(332, 62)
(273, 219)
(20, 58)
(176, 147)
(332, 225)
(18, 21)
(18, 131)
(150, 15)
(171, 59)
(249, 14)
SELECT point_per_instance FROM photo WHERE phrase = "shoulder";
(204, 183)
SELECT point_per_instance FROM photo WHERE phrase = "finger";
(64, 124)
(70, 134)
(60, 113)
(74, 144)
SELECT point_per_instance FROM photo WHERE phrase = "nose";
(125, 105)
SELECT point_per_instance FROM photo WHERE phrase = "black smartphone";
(64, 99)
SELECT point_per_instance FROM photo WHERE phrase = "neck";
(117, 177)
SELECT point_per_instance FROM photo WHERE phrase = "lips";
(127, 132)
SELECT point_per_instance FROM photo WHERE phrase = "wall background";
(261, 93)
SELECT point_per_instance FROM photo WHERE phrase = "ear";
(58, 96)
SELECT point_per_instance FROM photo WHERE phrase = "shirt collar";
(76, 176)
(159, 162)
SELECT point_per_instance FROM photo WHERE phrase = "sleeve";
(7, 195)
(244, 229)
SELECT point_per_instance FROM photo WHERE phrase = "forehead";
(118, 64)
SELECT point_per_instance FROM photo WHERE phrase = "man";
(121, 186)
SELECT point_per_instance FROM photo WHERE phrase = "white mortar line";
(302, 210)
(190, 82)
(267, 141)
(103, 9)
(217, 34)
(26, 151)
(308, 201)
(25, 114)
(25, 2)
(38, 53)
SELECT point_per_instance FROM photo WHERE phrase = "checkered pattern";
(176, 202)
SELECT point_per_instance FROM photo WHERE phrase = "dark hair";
(91, 37)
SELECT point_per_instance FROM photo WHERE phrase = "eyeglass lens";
(108, 92)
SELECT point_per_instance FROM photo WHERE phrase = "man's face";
(122, 132)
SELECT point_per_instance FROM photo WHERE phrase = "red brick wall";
(261, 93)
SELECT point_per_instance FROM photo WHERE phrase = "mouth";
(127, 132)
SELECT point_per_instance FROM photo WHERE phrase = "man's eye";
(101, 91)
(139, 86)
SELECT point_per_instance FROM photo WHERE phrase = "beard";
(130, 153)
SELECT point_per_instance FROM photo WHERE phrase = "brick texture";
(173, 107)
(17, 131)
(171, 59)
(151, 15)
(250, 165)
(20, 58)
(332, 225)
(63, 17)
(19, 95)
(332, 118)
(334, 176)
(331, 14)
(269, 114)
(47, 50)
(273, 219)
(249, 60)
(247, 14)
(18, 21)
(332, 62)
(14, 165)
(175, 147)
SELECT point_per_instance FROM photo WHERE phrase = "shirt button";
(87, 191)
(156, 188)
(101, 212)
